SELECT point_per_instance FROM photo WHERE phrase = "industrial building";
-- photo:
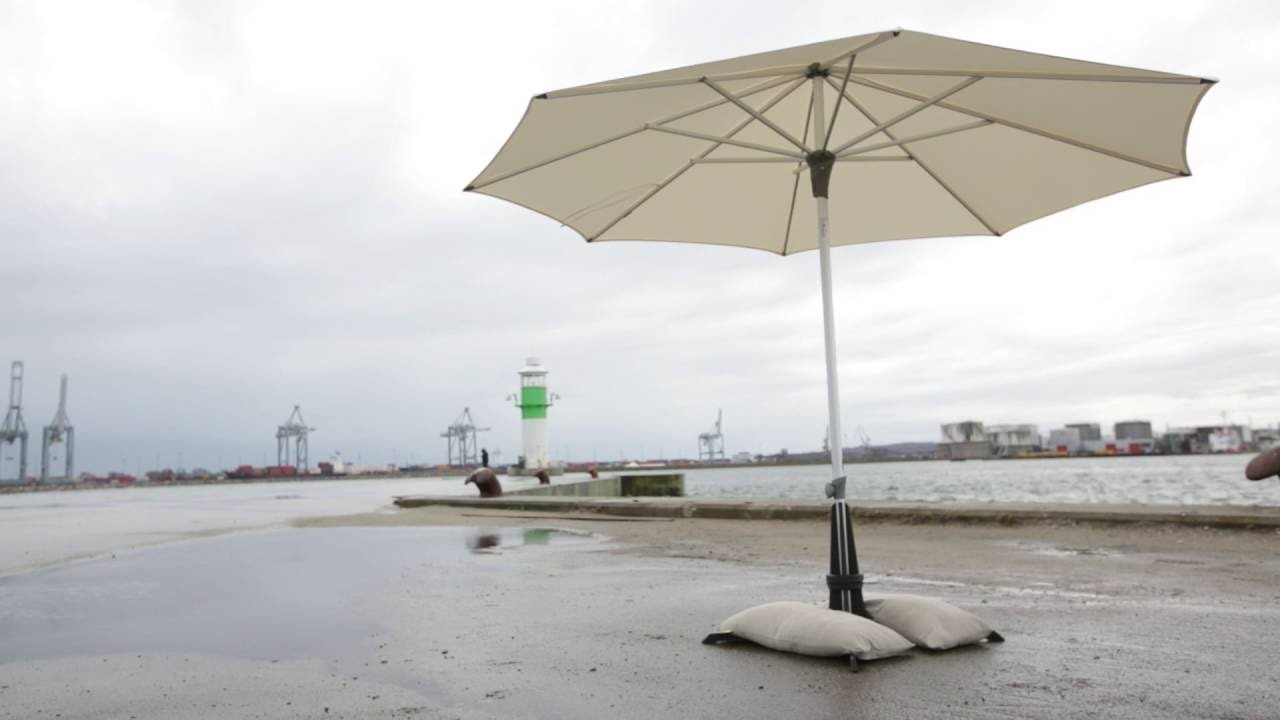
(1013, 440)
(1065, 440)
(964, 441)
(971, 439)
(1178, 441)
(1222, 438)
(1089, 432)
(1266, 439)
(1135, 436)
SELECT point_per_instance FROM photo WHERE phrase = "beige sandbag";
(930, 622)
(806, 629)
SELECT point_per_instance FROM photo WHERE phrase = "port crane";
(865, 441)
(711, 443)
(60, 431)
(294, 429)
(463, 447)
(14, 428)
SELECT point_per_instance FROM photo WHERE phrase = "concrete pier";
(1214, 516)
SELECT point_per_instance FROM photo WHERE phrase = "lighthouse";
(533, 402)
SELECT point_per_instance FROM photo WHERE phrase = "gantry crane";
(295, 429)
(868, 451)
(711, 443)
(463, 447)
(14, 428)
(57, 432)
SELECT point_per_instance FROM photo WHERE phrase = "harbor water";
(1153, 479)
(42, 528)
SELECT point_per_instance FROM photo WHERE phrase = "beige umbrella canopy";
(904, 134)
(932, 137)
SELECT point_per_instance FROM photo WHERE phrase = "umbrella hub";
(820, 164)
(816, 70)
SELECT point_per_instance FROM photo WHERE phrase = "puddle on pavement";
(490, 540)
(1037, 548)
(1071, 551)
(279, 594)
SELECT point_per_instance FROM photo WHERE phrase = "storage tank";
(963, 432)
(964, 441)
(1013, 440)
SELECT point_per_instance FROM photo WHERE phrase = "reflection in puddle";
(537, 536)
(483, 541)
(487, 540)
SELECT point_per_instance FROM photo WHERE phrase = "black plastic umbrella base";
(844, 580)
(846, 594)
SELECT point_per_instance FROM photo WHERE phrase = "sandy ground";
(1124, 622)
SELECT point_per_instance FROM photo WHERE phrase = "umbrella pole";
(844, 582)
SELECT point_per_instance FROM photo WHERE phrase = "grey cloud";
(262, 218)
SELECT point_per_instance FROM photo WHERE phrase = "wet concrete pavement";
(40, 529)
(415, 614)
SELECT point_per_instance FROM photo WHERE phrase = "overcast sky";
(212, 211)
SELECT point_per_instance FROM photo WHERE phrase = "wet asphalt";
(471, 622)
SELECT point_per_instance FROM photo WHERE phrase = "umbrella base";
(838, 584)
(844, 581)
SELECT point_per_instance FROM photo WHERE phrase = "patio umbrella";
(906, 134)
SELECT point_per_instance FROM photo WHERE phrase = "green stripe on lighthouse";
(533, 402)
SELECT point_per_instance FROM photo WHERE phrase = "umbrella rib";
(894, 90)
(745, 160)
(783, 71)
(727, 141)
(835, 114)
(925, 103)
(881, 38)
(761, 87)
(778, 71)
(1017, 75)
(795, 188)
(692, 161)
(914, 138)
(923, 166)
(874, 158)
(802, 168)
(757, 115)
